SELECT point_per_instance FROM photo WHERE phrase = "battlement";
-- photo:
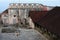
(24, 5)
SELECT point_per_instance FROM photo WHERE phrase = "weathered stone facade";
(21, 12)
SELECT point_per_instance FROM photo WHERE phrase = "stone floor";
(24, 34)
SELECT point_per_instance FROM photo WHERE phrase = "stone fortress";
(19, 12)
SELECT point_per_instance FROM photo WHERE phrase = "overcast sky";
(4, 3)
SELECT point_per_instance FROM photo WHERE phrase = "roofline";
(3, 12)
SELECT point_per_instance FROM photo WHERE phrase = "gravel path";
(25, 34)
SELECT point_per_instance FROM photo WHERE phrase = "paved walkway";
(25, 34)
